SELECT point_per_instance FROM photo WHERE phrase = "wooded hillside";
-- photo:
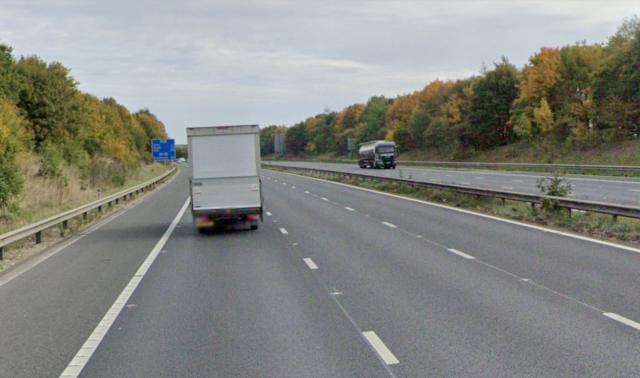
(47, 120)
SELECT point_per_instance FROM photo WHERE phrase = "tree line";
(44, 114)
(576, 96)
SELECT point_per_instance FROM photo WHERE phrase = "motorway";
(337, 282)
(616, 190)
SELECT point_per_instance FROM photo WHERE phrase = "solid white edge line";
(74, 368)
(349, 208)
(324, 198)
(462, 254)
(268, 213)
(622, 319)
(387, 356)
(486, 216)
(389, 224)
(284, 231)
(310, 263)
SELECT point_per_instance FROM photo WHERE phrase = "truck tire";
(254, 227)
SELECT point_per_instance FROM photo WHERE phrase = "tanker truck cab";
(377, 154)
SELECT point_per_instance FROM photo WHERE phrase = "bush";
(11, 181)
(555, 186)
(75, 154)
(52, 162)
(102, 171)
(12, 140)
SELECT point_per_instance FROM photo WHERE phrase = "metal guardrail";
(35, 229)
(573, 167)
(570, 204)
(477, 165)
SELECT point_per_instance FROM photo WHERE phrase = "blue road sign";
(163, 150)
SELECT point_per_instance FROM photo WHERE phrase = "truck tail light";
(204, 221)
(252, 217)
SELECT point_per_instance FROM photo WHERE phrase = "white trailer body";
(225, 174)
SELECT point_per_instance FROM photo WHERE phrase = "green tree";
(491, 105)
(49, 99)
(372, 126)
(296, 139)
(11, 82)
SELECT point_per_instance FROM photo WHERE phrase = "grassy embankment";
(45, 197)
(600, 226)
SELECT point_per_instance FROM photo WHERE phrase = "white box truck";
(225, 175)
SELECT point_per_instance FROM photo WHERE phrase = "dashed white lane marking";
(269, 213)
(324, 198)
(479, 178)
(284, 231)
(389, 224)
(293, 187)
(306, 192)
(622, 319)
(387, 356)
(635, 190)
(310, 263)
(481, 215)
(349, 208)
(462, 254)
(93, 341)
(517, 180)
(284, 183)
(507, 187)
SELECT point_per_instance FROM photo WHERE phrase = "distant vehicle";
(377, 154)
(182, 160)
(225, 175)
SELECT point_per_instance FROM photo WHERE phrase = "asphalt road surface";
(616, 190)
(337, 282)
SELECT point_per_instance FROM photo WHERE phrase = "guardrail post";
(84, 216)
(1, 253)
(65, 224)
(615, 217)
(117, 200)
(569, 212)
(38, 237)
(99, 209)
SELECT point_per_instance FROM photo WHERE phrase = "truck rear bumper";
(233, 213)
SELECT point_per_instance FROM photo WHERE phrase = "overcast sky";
(196, 63)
